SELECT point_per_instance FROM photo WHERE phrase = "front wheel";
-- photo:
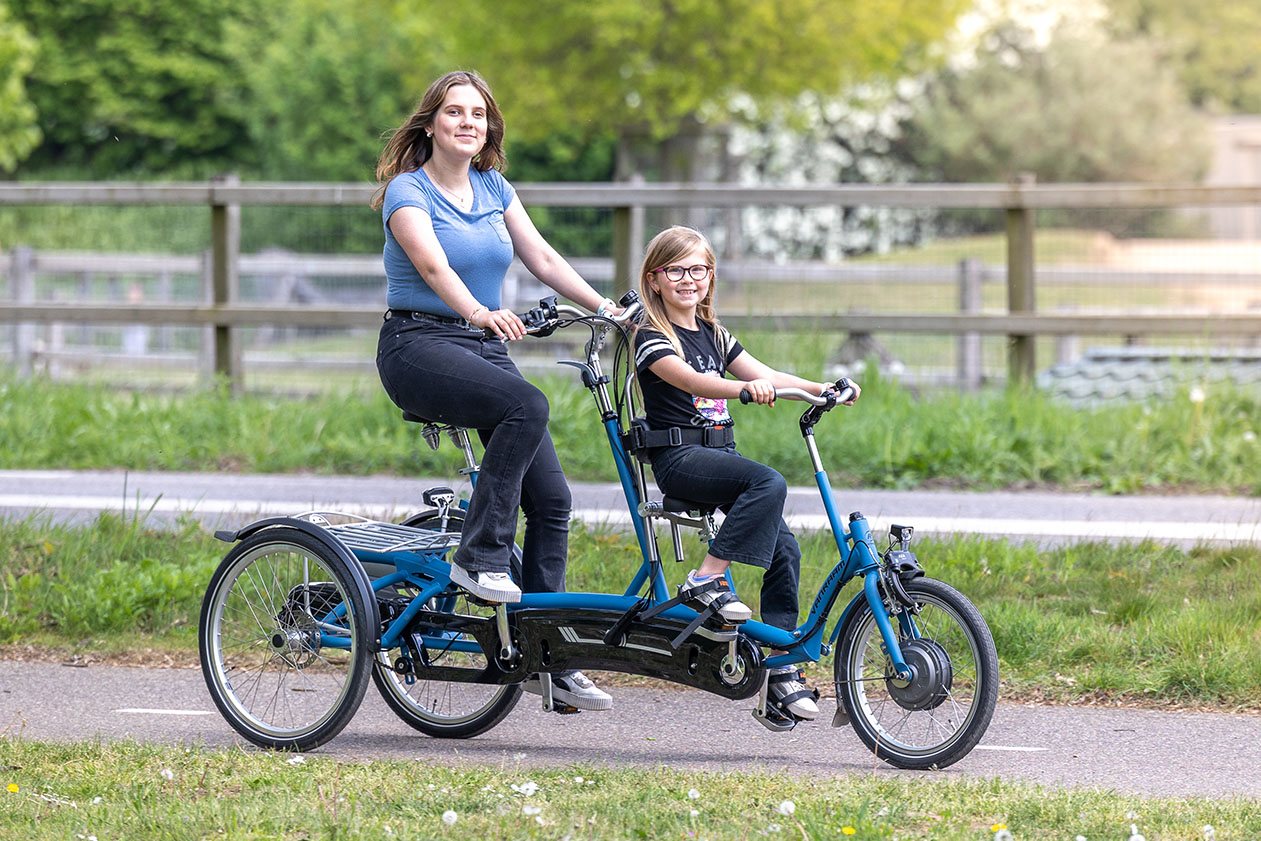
(938, 717)
(284, 637)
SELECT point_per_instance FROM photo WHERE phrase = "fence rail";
(222, 312)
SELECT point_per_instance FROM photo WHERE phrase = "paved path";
(230, 500)
(1134, 751)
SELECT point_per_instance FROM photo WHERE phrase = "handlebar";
(546, 317)
(826, 401)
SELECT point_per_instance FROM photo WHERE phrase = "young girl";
(681, 356)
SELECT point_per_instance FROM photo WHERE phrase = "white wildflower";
(579, 780)
(787, 808)
(526, 789)
(693, 794)
(297, 760)
(1003, 834)
(531, 810)
(694, 813)
(1134, 833)
(449, 817)
(167, 774)
(1210, 834)
(1196, 394)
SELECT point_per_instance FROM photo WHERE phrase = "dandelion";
(694, 813)
(531, 810)
(1001, 832)
(693, 794)
(1196, 394)
(13, 788)
(1134, 833)
(526, 789)
(1210, 834)
(296, 760)
(848, 830)
(787, 808)
(168, 774)
(449, 817)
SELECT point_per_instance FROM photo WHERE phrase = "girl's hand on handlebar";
(760, 391)
(842, 384)
(505, 324)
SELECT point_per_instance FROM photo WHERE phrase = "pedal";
(565, 709)
(766, 715)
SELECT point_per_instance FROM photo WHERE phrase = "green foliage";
(1212, 46)
(321, 85)
(652, 70)
(1083, 108)
(131, 86)
(19, 131)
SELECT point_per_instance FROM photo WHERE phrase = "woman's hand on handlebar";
(759, 391)
(505, 324)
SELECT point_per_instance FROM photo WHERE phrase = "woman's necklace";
(464, 202)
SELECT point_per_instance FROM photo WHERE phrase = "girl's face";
(459, 127)
(682, 296)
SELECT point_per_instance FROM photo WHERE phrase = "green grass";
(891, 439)
(143, 792)
(1139, 622)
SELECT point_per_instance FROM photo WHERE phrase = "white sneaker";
(699, 595)
(491, 586)
(787, 688)
(573, 688)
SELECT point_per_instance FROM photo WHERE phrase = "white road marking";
(143, 711)
(1011, 748)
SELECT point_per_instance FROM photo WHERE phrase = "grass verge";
(891, 439)
(1137, 623)
(155, 793)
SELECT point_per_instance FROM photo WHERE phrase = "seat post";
(678, 541)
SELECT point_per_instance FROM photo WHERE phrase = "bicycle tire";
(261, 631)
(446, 709)
(940, 716)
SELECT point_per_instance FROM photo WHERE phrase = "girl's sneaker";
(699, 592)
(786, 688)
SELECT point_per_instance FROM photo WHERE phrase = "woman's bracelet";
(469, 318)
(604, 306)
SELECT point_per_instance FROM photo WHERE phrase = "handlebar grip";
(745, 397)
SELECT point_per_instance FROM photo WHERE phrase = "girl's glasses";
(675, 273)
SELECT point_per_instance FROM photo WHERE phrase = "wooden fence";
(222, 313)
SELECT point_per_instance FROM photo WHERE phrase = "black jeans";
(451, 374)
(752, 496)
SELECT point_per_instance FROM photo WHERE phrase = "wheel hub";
(931, 676)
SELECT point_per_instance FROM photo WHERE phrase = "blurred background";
(775, 103)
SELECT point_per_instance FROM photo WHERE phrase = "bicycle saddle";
(685, 506)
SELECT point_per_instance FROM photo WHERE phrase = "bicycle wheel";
(284, 638)
(940, 715)
(439, 708)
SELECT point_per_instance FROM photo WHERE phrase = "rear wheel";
(439, 708)
(936, 718)
(284, 639)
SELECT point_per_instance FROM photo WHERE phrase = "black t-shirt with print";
(708, 350)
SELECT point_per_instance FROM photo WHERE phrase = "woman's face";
(459, 127)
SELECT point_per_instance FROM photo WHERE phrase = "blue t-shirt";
(476, 242)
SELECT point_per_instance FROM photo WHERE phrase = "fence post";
(970, 343)
(22, 281)
(1021, 359)
(628, 237)
(225, 254)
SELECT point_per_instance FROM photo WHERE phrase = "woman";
(682, 355)
(452, 223)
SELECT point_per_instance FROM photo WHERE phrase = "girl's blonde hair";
(409, 146)
(666, 248)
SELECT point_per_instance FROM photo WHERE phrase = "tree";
(19, 132)
(659, 74)
(1213, 46)
(1085, 108)
(124, 86)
